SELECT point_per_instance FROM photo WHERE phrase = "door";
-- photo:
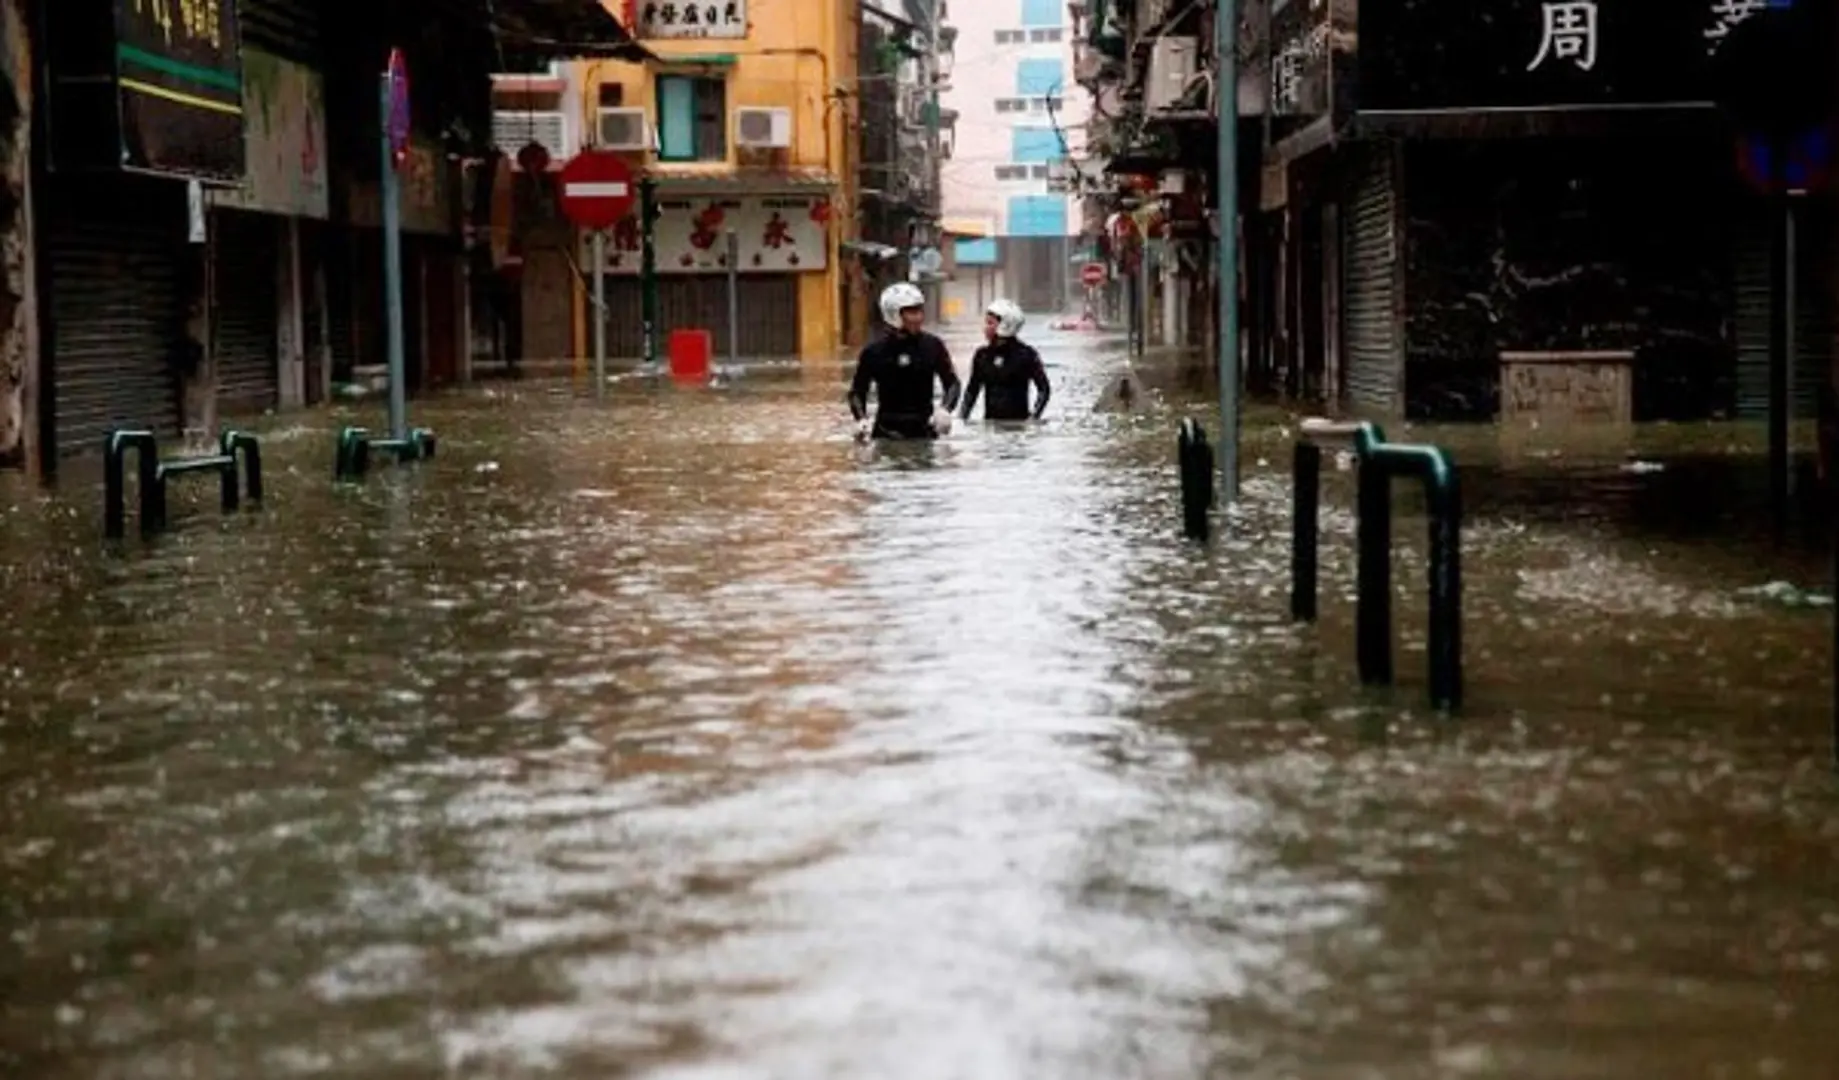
(119, 273)
(245, 311)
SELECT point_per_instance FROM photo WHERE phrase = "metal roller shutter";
(245, 311)
(1374, 347)
(768, 313)
(117, 256)
(1750, 285)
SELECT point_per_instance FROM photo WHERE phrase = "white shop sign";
(776, 234)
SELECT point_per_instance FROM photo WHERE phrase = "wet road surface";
(680, 737)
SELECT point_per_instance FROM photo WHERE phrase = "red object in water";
(690, 352)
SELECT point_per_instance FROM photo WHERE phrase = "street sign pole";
(1226, 114)
(734, 301)
(648, 268)
(390, 191)
(600, 312)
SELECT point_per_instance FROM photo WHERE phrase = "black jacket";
(901, 368)
(1004, 371)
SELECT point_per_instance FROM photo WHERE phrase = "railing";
(235, 449)
(355, 445)
(1379, 463)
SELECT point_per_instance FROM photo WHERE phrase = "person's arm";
(948, 378)
(1042, 388)
(859, 386)
(975, 387)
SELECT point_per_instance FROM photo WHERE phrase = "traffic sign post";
(394, 105)
(596, 194)
(1092, 275)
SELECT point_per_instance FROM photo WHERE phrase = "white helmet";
(1008, 315)
(897, 298)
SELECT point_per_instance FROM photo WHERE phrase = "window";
(1048, 34)
(1011, 37)
(612, 95)
(1027, 104)
(1039, 77)
(1037, 215)
(692, 118)
(1012, 172)
(1041, 12)
(1032, 145)
(1037, 172)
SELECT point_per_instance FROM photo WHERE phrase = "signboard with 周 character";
(691, 19)
(1459, 55)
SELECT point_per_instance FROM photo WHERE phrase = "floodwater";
(677, 736)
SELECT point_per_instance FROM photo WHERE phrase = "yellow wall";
(796, 54)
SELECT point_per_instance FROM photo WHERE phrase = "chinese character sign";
(1568, 35)
(784, 234)
(692, 18)
(1537, 54)
(181, 90)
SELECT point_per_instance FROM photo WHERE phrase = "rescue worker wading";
(1005, 368)
(901, 367)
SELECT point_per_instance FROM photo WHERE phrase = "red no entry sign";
(1092, 274)
(596, 189)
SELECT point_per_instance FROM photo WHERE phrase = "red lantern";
(533, 158)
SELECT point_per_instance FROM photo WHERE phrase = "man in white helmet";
(1005, 368)
(901, 367)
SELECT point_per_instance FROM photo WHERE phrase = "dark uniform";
(1004, 371)
(901, 368)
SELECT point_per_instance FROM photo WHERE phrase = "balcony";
(514, 130)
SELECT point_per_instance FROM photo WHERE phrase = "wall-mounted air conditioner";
(623, 129)
(762, 129)
(1173, 62)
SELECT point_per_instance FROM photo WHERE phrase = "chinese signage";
(426, 184)
(180, 86)
(775, 234)
(1300, 37)
(691, 19)
(284, 118)
(1518, 54)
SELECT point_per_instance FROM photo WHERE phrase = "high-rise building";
(1019, 116)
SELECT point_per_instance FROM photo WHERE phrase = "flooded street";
(680, 737)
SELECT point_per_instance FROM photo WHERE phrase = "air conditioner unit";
(623, 129)
(763, 129)
(514, 129)
(1173, 62)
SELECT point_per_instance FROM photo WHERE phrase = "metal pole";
(1143, 301)
(1226, 112)
(734, 301)
(1790, 314)
(600, 312)
(392, 272)
(1779, 359)
(648, 267)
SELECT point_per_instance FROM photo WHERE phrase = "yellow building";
(742, 121)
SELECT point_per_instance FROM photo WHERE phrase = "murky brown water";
(681, 738)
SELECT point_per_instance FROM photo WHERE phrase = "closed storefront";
(1373, 340)
(119, 272)
(1758, 233)
(768, 315)
(245, 310)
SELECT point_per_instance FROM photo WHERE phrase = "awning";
(564, 29)
(966, 227)
(744, 182)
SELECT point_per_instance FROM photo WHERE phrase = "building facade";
(197, 214)
(739, 118)
(1007, 189)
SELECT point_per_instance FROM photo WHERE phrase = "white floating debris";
(486, 467)
(1641, 468)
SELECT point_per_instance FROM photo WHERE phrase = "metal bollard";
(1194, 464)
(1379, 465)
(115, 448)
(352, 460)
(246, 450)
